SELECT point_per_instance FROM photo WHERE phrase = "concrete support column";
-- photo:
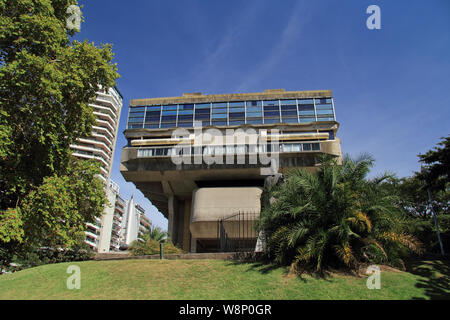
(193, 245)
(186, 224)
(172, 208)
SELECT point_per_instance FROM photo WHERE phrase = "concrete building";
(100, 146)
(193, 156)
(135, 224)
(111, 221)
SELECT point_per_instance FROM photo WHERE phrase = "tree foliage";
(436, 170)
(47, 81)
(335, 217)
(46, 84)
(156, 233)
(414, 199)
(56, 213)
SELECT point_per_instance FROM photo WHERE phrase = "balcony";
(100, 130)
(93, 226)
(108, 100)
(91, 235)
(226, 150)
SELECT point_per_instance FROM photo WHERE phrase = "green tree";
(156, 233)
(413, 195)
(56, 213)
(46, 84)
(436, 169)
(47, 81)
(335, 217)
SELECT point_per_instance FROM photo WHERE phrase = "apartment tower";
(100, 146)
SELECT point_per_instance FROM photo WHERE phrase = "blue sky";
(391, 86)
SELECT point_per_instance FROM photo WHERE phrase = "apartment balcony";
(108, 99)
(104, 110)
(91, 150)
(92, 245)
(117, 218)
(106, 117)
(101, 137)
(97, 143)
(93, 226)
(100, 130)
(103, 123)
(91, 235)
(120, 209)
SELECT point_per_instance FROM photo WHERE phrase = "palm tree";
(335, 217)
(157, 234)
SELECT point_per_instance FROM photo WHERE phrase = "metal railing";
(237, 233)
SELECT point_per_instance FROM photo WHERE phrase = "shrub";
(336, 218)
(151, 247)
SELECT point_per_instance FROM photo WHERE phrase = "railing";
(237, 233)
(223, 150)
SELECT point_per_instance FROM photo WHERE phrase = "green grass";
(215, 279)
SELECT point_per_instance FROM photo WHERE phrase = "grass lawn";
(216, 279)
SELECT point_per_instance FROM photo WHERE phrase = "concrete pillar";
(186, 224)
(193, 245)
(107, 221)
(171, 219)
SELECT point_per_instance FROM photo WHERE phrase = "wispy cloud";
(226, 43)
(289, 36)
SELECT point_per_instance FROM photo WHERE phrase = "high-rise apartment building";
(100, 146)
(204, 158)
(135, 224)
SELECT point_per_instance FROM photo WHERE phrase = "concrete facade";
(194, 195)
(135, 224)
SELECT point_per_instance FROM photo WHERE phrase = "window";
(271, 103)
(137, 109)
(306, 101)
(271, 121)
(307, 119)
(240, 115)
(185, 124)
(203, 106)
(219, 123)
(288, 102)
(168, 118)
(254, 121)
(237, 104)
(254, 104)
(219, 116)
(185, 117)
(220, 105)
(306, 110)
(254, 114)
(172, 107)
(290, 120)
(323, 101)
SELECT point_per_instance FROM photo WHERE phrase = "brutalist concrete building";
(204, 159)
